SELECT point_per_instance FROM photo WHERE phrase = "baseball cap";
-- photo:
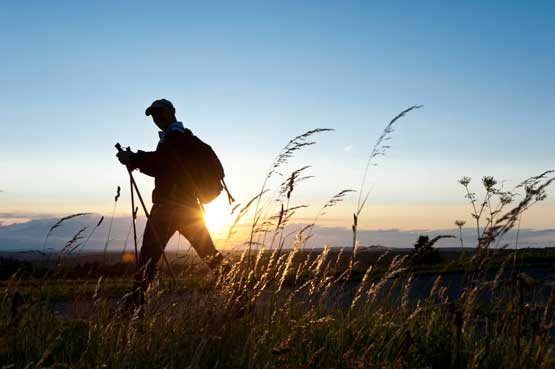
(162, 103)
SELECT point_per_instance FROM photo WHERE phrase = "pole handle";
(120, 149)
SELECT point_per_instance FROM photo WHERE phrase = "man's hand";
(124, 157)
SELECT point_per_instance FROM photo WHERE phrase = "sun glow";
(217, 217)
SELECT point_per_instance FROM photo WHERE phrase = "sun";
(217, 216)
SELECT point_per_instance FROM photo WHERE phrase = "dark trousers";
(164, 220)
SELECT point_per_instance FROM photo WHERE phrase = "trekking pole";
(134, 218)
(135, 188)
(133, 211)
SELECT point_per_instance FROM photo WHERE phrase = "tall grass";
(286, 306)
(116, 198)
(58, 224)
(380, 148)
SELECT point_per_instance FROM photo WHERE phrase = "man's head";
(162, 112)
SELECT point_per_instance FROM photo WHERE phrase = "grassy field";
(279, 305)
(311, 312)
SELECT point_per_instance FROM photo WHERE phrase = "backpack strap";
(229, 197)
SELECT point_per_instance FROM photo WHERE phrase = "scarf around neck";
(174, 127)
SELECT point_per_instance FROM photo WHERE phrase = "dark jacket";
(169, 166)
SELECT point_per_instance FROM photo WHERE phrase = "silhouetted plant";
(380, 148)
(424, 252)
(287, 152)
(487, 204)
(59, 224)
(89, 236)
(460, 224)
(116, 198)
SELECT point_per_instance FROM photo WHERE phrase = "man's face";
(162, 117)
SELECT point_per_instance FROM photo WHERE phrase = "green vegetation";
(302, 323)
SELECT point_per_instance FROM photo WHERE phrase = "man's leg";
(193, 228)
(159, 229)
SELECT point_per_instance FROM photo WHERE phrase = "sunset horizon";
(486, 93)
(277, 184)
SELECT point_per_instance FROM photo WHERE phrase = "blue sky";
(247, 76)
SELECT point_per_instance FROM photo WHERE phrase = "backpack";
(207, 172)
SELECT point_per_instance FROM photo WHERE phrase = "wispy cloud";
(25, 215)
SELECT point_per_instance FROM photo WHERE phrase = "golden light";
(217, 216)
(128, 257)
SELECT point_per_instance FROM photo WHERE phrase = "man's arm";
(163, 160)
(148, 162)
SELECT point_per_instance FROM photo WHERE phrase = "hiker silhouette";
(187, 174)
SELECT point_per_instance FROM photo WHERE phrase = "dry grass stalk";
(242, 212)
(98, 224)
(116, 198)
(71, 245)
(380, 148)
(287, 152)
(332, 202)
(59, 224)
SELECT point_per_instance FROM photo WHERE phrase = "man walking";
(175, 197)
